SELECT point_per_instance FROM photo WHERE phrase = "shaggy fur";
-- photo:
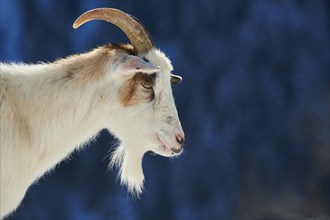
(50, 109)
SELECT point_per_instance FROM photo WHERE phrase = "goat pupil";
(149, 79)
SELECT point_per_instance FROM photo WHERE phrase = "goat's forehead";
(158, 58)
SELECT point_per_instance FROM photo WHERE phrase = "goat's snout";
(180, 139)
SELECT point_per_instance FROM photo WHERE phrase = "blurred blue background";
(254, 104)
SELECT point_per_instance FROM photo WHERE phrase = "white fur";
(45, 116)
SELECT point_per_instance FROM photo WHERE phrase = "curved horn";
(133, 29)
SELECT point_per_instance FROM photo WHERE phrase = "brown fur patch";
(24, 128)
(10, 108)
(132, 92)
(127, 48)
(92, 66)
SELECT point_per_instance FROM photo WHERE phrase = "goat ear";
(175, 79)
(134, 64)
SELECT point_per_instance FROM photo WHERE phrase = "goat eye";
(148, 81)
(147, 85)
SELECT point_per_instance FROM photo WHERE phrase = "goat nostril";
(179, 139)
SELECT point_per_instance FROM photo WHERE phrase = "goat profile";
(50, 109)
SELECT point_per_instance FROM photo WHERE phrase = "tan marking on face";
(92, 66)
(88, 67)
(132, 92)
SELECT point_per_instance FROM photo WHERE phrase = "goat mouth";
(166, 147)
(176, 151)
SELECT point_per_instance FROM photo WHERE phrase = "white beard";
(129, 162)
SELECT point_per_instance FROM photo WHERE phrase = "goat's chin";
(165, 151)
(129, 162)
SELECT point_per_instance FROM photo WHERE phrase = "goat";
(50, 109)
